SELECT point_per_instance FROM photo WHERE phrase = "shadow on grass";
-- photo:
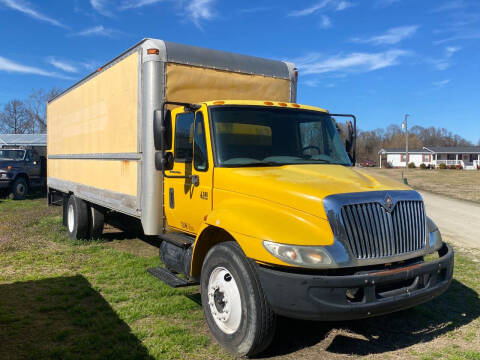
(35, 193)
(456, 307)
(62, 318)
(130, 228)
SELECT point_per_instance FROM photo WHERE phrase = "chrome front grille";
(374, 232)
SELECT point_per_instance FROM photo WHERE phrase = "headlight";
(434, 238)
(306, 256)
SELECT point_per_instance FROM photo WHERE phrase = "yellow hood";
(302, 187)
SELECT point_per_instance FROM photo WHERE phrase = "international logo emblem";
(388, 203)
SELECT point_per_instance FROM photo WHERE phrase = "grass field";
(459, 184)
(61, 299)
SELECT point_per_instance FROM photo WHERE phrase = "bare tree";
(14, 118)
(36, 107)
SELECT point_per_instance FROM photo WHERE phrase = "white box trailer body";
(100, 130)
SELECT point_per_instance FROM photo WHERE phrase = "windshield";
(259, 136)
(11, 154)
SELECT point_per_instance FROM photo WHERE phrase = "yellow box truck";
(254, 196)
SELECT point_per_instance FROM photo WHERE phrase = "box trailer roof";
(23, 139)
(171, 52)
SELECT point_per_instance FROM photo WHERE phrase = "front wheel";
(233, 301)
(19, 189)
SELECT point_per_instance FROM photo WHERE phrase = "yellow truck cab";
(256, 200)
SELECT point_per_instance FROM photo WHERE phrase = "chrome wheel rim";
(224, 300)
(71, 218)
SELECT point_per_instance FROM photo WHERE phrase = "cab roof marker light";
(296, 105)
(153, 51)
(268, 103)
(218, 102)
(282, 104)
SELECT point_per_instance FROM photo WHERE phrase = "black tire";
(19, 189)
(257, 320)
(96, 222)
(77, 218)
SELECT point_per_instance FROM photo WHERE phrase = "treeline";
(369, 143)
(27, 116)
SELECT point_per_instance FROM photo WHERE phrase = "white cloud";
(451, 5)
(441, 83)
(316, 63)
(325, 22)
(255, 10)
(199, 10)
(101, 6)
(13, 67)
(392, 36)
(444, 62)
(460, 35)
(311, 82)
(337, 5)
(89, 65)
(342, 5)
(98, 30)
(26, 8)
(196, 10)
(133, 4)
(386, 3)
(62, 65)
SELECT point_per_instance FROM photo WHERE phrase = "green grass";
(63, 299)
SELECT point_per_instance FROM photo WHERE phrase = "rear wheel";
(19, 189)
(77, 218)
(233, 301)
(96, 223)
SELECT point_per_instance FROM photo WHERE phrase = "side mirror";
(162, 130)
(165, 162)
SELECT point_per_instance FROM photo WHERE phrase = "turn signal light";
(153, 51)
(9, 167)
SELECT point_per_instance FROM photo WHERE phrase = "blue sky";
(377, 59)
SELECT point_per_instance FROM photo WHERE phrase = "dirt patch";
(459, 184)
(135, 247)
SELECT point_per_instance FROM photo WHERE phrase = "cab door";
(32, 164)
(186, 204)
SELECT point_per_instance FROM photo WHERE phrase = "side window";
(184, 137)
(28, 156)
(200, 157)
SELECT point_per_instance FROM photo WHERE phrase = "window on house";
(404, 157)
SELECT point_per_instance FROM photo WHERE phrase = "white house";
(466, 156)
